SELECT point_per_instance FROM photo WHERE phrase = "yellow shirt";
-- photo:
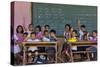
(74, 39)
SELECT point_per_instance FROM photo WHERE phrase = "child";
(47, 27)
(30, 29)
(42, 29)
(85, 36)
(81, 29)
(73, 39)
(71, 30)
(25, 36)
(33, 38)
(51, 50)
(32, 49)
(16, 48)
(39, 35)
(38, 32)
(53, 35)
(46, 36)
(67, 34)
(93, 38)
(36, 58)
(66, 47)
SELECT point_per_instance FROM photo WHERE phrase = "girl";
(85, 36)
(66, 48)
(67, 34)
(73, 39)
(39, 34)
(18, 39)
(30, 28)
(93, 38)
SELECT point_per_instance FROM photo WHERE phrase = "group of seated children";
(36, 34)
(71, 35)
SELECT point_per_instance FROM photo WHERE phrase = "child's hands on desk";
(54, 37)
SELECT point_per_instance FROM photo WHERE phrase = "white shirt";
(81, 35)
(16, 48)
(33, 48)
(46, 39)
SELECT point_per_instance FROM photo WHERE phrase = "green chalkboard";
(57, 15)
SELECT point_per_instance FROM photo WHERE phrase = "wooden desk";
(38, 44)
(81, 43)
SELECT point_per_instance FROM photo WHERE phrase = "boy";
(47, 27)
(32, 49)
(25, 36)
(81, 30)
(46, 36)
(53, 37)
(33, 38)
(51, 50)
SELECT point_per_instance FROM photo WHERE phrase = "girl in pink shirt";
(39, 33)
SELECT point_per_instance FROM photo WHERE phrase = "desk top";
(39, 43)
(84, 43)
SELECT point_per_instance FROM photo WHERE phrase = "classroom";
(46, 33)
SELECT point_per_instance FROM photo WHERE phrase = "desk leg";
(71, 53)
(56, 53)
(88, 56)
(24, 55)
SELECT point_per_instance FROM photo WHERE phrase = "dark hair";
(84, 36)
(83, 26)
(75, 31)
(33, 33)
(38, 26)
(68, 26)
(54, 31)
(94, 31)
(85, 32)
(21, 28)
(46, 26)
(46, 31)
(25, 33)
